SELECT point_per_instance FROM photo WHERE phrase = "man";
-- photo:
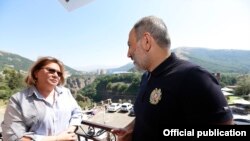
(172, 91)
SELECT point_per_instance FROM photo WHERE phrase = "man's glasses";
(52, 71)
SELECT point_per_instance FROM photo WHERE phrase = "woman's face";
(49, 74)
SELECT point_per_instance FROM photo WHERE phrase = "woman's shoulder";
(23, 94)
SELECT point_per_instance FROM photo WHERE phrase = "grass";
(3, 103)
(232, 98)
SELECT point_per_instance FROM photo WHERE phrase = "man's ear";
(147, 41)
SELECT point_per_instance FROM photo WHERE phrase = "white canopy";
(73, 4)
(241, 101)
(226, 93)
(227, 89)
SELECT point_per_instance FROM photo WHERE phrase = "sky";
(95, 35)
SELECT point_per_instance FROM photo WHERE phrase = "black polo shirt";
(177, 92)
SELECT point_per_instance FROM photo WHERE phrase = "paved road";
(2, 110)
(115, 119)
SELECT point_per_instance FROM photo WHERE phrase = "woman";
(45, 111)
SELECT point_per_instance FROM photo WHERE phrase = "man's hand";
(119, 131)
(124, 134)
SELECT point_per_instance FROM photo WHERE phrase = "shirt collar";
(164, 65)
(34, 91)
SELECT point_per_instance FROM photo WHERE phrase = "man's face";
(136, 52)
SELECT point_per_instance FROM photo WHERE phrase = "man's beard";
(140, 69)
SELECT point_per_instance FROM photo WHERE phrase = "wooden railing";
(92, 131)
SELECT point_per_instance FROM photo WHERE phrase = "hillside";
(21, 63)
(215, 60)
(13, 60)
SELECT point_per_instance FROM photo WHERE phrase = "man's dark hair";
(156, 27)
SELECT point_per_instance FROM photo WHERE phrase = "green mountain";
(214, 60)
(21, 63)
(217, 60)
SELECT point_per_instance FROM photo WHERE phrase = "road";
(2, 110)
(116, 119)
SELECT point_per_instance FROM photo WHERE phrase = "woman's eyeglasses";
(52, 71)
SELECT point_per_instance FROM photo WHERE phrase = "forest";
(12, 81)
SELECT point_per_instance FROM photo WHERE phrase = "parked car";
(241, 119)
(113, 107)
(238, 110)
(132, 112)
(126, 107)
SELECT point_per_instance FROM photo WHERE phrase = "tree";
(109, 86)
(116, 83)
(89, 90)
(229, 79)
(14, 79)
(11, 82)
(243, 86)
(134, 87)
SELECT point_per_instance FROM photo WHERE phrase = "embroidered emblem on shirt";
(155, 96)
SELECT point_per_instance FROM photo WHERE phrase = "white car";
(241, 119)
(113, 107)
(126, 107)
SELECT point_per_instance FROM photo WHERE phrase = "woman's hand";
(26, 138)
(66, 136)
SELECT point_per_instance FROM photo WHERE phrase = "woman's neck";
(45, 91)
(51, 97)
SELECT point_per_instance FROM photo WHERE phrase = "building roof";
(227, 89)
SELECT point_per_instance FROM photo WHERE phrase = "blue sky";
(95, 35)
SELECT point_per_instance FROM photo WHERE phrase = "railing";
(95, 131)
(92, 131)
